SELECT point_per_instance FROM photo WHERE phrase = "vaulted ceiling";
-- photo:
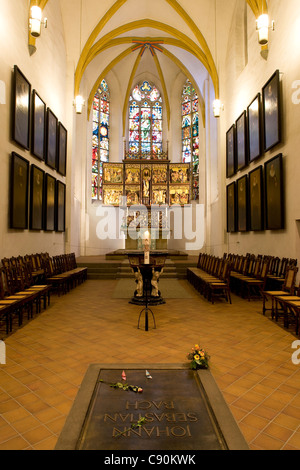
(133, 38)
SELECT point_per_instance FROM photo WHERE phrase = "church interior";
(149, 156)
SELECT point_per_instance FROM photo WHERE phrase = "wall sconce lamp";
(217, 108)
(262, 26)
(35, 21)
(78, 103)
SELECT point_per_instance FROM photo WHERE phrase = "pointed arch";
(103, 74)
(124, 54)
(150, 24)
(130, 82)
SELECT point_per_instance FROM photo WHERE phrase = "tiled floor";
(48, 357)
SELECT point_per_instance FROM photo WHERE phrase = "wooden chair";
(254, 286)
(220, 287)
(16, 302)
(292, 314)
(27, 285)
(6, 312)
(58, 281)
(287, 289)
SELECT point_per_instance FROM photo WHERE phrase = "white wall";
(243, 72)
(238, 87)
(46, 71)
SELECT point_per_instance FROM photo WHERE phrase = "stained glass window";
(100, 140)
(190, 132)
(145, 121)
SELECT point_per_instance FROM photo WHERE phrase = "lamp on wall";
(217, 107)
(35, 21)
(262, 26)
(78, 103)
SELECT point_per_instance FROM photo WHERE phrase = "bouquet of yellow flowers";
(198, 357)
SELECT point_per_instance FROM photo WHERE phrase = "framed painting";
(230, 152)
(113, 173)
(36, 198)
(51, 141)
(19, 185)
(133, 194)
(50, 193)
(38, 126)
(62, 149)
(231, 208)
(241, 142)
(160, 174)
(112, 195)
(179, 195)
(21, 97)
(132, 174)
(60, 222)
(274, 200)
(242, 204)
(254, 129)
(159, 195)
(256, 198)
(272, 112)
(179, 173)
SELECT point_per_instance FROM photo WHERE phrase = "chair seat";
(287, 298)
(276, 293)
(10, 301)
(294, 303)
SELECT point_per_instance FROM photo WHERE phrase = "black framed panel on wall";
(19, 187)
(21, 102)
(60, 206)
(51, 140)
(274, 193)
(254, 129)
(241, 142)
(38, 126)
(256, 200)
(271, 98)
(50, 193)
(36, 218)
(230, 152)
(62, 149)
(242, 204)
(231, 208)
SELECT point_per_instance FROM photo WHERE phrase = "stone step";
(122, 270)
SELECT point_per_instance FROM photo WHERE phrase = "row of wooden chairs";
(62, 272)
(285, 302)
(27, 282)
(251, 274)
(249, 280)
(276, 271)
(211, 277)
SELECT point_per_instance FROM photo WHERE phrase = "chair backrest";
(220, 267)
(290, 280)
(257, 267)
(199, 260)
(244, 265)
(274, 266)
(283, 266)
(5, 289)
(265, 269)
(237, 261)
(250, 266)
(226, 270)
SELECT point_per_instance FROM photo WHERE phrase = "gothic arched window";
(100, 143)
(145, 121)
(190, 132)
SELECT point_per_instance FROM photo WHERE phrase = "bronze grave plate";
(175, 404)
